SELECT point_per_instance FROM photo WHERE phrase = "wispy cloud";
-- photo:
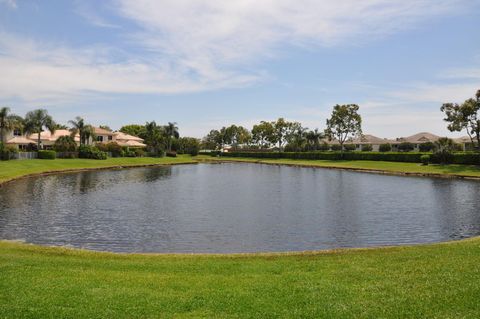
(9, 3)
(193, 46)
(91, 15)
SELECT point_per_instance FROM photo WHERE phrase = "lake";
(233, 207)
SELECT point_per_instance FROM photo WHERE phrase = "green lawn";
(13, 169)
(427, 281)
(394, 167)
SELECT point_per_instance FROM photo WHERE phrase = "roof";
(127, 137)
(463, 139)
(131, 143)
(419, 138)
(369, 139)
(47, 136)
(20, 140)
(101, 131)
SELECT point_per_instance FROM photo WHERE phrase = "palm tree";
(8, 122)
(85, 131)
(314, 137)
(171, 131)
(444, 148)
(36, 121)
(153, 137)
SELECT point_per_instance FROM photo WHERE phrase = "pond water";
(229, 208)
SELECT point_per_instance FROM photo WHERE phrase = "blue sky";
(206, 64)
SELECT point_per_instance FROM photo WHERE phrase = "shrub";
(426, 147)
(7, 152)
(65, 144)
(406, 147)
(171, 154)
(114, 148)
(323, 147)
(188, 145)
(87, 151)
(335, 147)
(367, 148)
(425, 159)
(139, 152)
(47, 154)
(349, 147)
(444, 149)
(385, 147)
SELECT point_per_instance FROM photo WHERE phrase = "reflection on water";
(236, 208)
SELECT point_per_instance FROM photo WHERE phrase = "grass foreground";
(452, 170)
(424, 281)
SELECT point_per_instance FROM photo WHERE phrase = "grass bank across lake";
(451, 170)
(18, 168)
(425, 281)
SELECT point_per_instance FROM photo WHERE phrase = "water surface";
(236, 208)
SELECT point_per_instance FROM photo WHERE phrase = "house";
(417, 139)
(47, 140)
(103, 135)
(368, 139)
(127, 140)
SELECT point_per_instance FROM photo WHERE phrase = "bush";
(349, 147)
(426, 147)
(425, 159)
(323, 147)
(139, 152)
(91, 152)
(171, 154)
(385, 147)
(335, 147)
(65, 144)
(188, 145)
(367, 148)
(7, 152)
(405, 147)
(47, 154)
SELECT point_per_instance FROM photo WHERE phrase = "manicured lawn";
(427, 281)
(460, 170)
(13, 169)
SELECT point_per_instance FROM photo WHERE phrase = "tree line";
(345, 122)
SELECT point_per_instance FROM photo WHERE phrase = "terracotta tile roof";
(47, 136)
(101, 131)
(127, 137)
(20, 140)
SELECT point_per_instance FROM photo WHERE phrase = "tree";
(133, 129)
(8, 122)
(153, 137)
(444, 148)
(280, 128)
(465, 116)
(60, 127)
(313, 139)
(188, 145)
(262, 134)
(85, 131)
(65, 144)
(212, 140)
(344, 122)
(236, 135)
(170, 131)
(295, 136)
(36, 121)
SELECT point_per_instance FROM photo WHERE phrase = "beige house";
(103, 135)
(47, 139)
(367, 139)
(128, 140)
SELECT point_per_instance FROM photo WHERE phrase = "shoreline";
(86, 169)
(360, 170)
(297, 253)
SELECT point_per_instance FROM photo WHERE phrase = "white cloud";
(192, 46)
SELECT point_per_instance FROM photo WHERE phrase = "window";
(99, 138)
(110, 137)
(17, 132)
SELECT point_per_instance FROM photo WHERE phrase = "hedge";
(409, 157)
(47, 154)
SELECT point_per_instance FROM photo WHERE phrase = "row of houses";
(47, 140)
(416, 140)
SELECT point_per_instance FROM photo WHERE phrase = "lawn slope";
(426, 281)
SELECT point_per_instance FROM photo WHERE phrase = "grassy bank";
(427, 281)
(393, 167)
(16, 168)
